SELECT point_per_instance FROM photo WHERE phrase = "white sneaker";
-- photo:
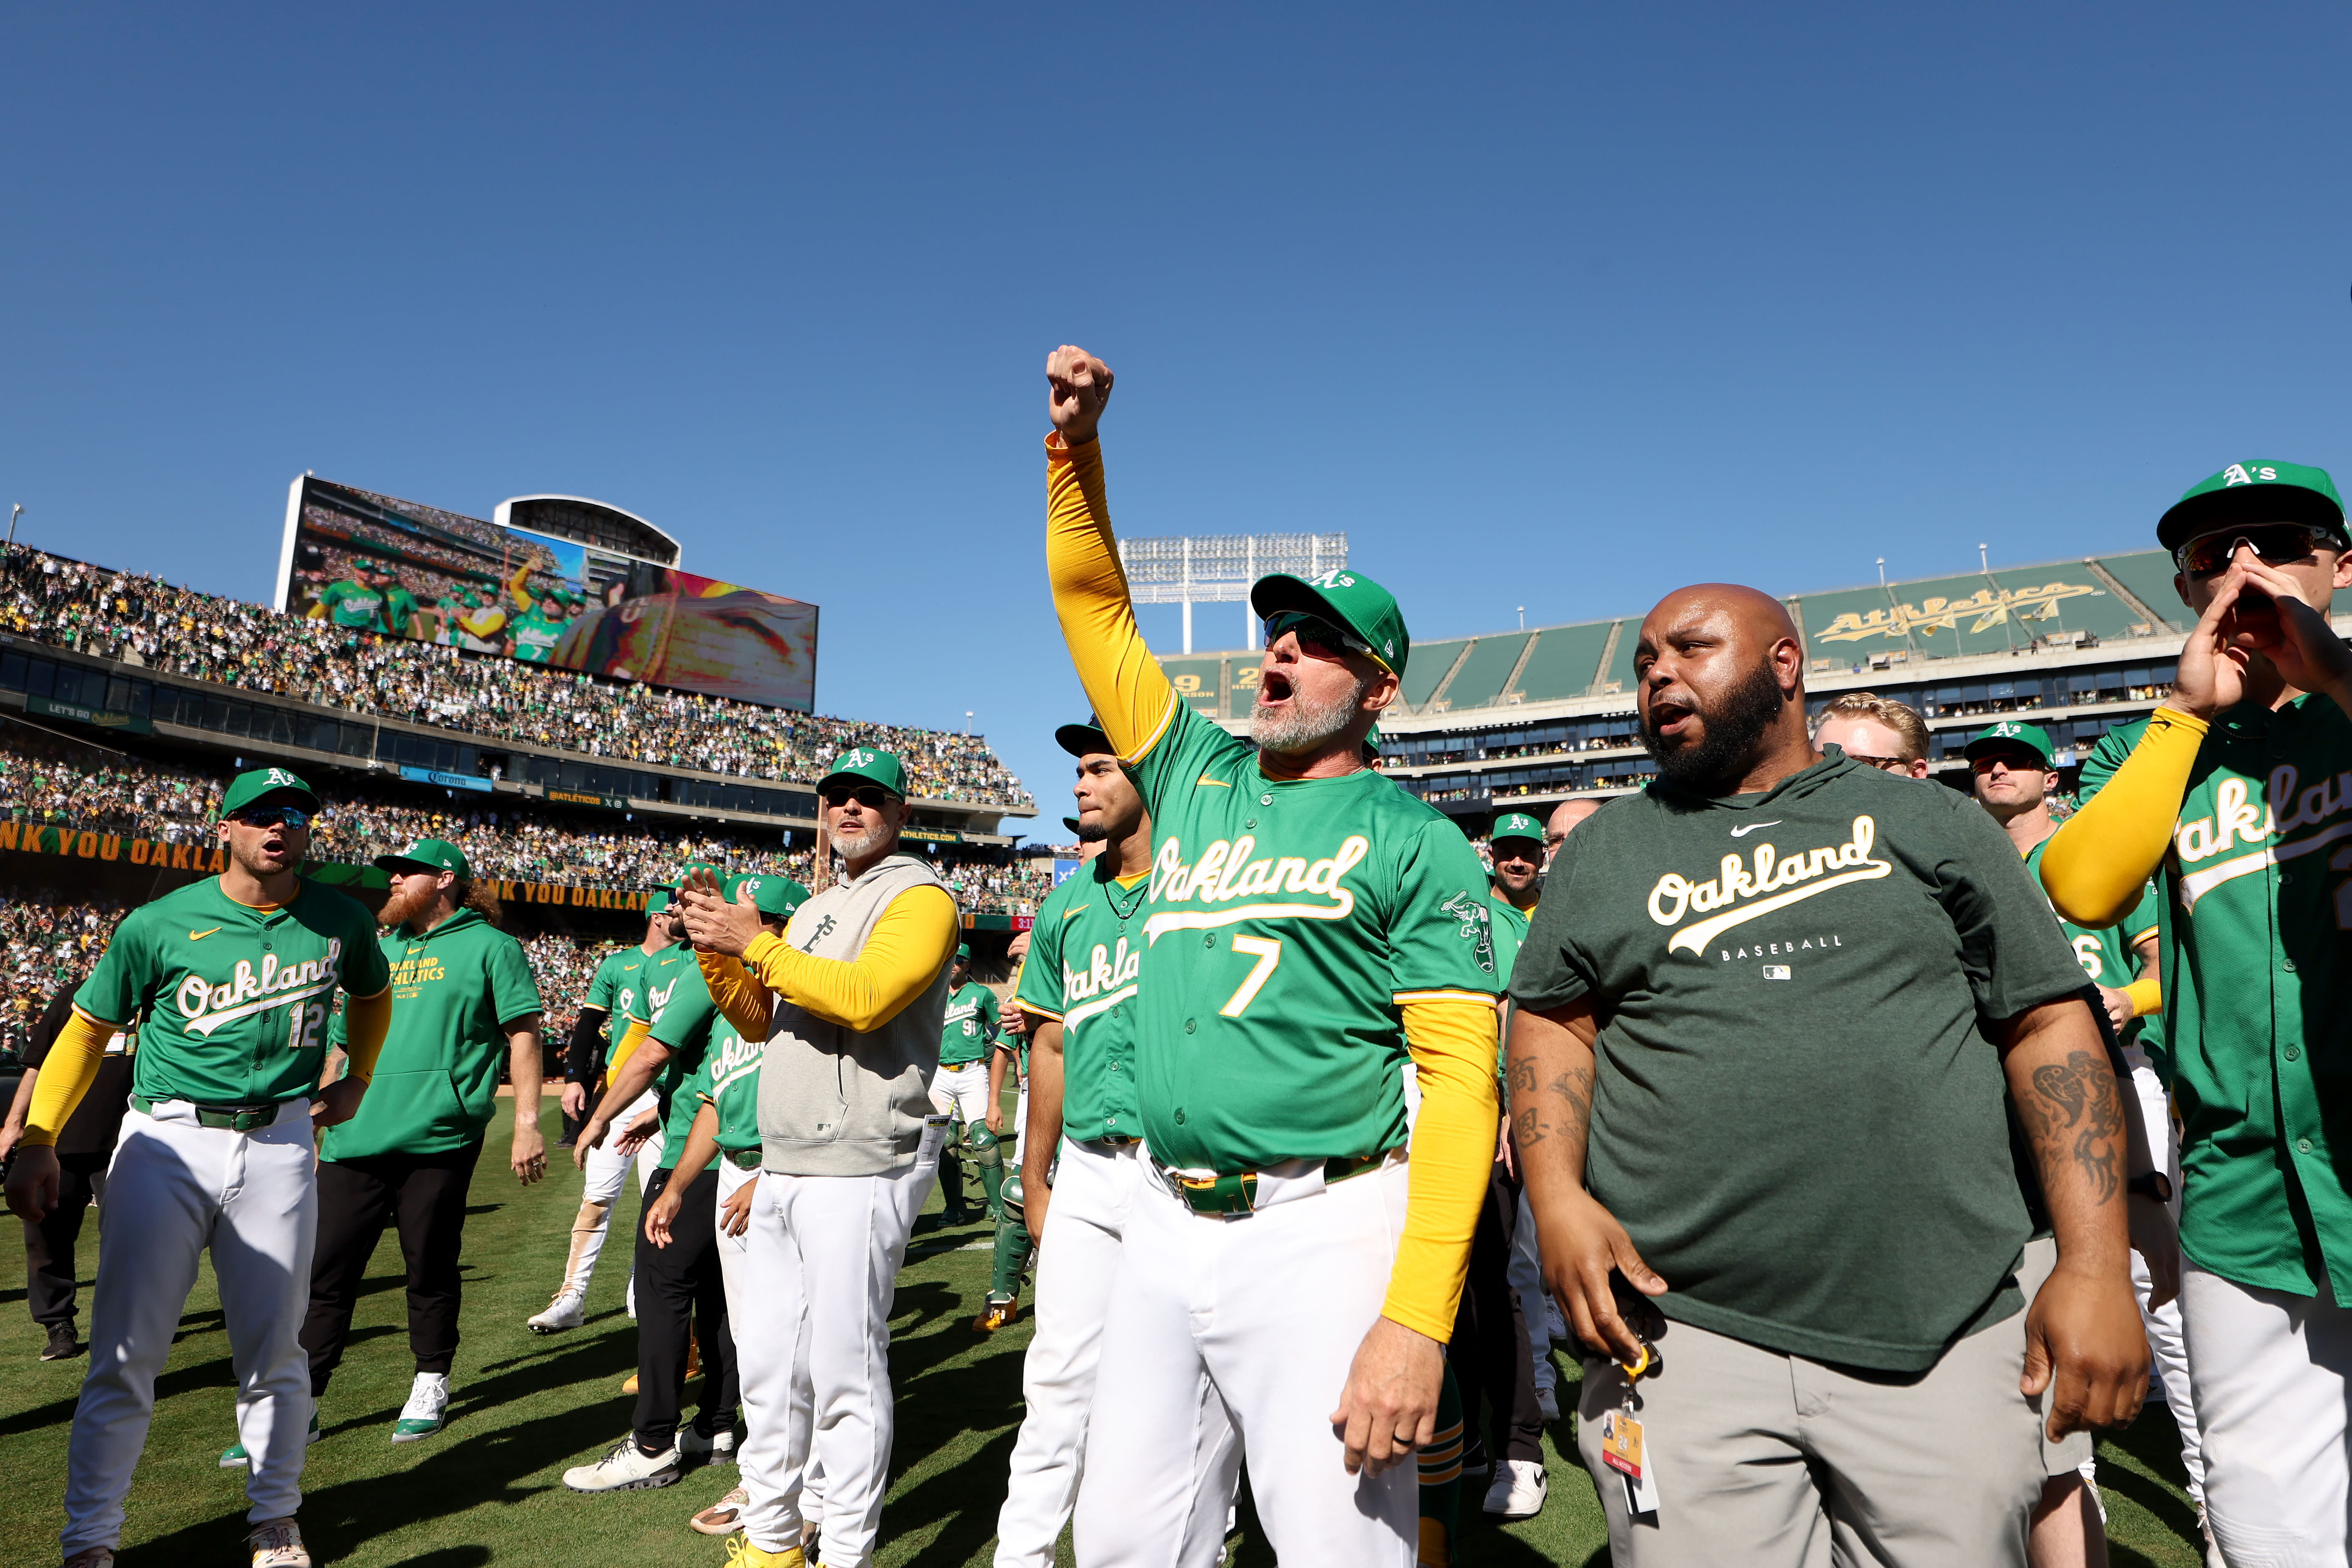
(1548, 1402)
(626, 1469)
(427, 1410)
(694, 1448)
(278, 1544)
(1519, 1491)
(568, 1310)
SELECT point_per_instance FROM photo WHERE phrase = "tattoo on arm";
(2073, 1111)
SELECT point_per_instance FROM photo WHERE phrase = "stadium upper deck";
(1536, 716)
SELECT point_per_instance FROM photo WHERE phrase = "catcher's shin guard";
(988, 1153)
(1012, 1245)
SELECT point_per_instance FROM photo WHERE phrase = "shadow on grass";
(2155, 1441)
(447, 1557)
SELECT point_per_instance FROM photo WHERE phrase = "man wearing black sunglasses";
(229, 981)
(2236, 795)
(851, 1001)
(1307, 927)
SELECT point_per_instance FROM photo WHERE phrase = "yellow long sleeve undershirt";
(2101, 859)
(740, 999)
(631, 1039)
(1453, 1046)
(1451, 1042)
(905, 951)
(71, 1066)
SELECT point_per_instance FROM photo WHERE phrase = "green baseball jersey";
(2257, 966)
(688, 1022)
(2107, 956)
(1085, 952)
(1510, 935)
(728, 1079)
(534, 637)
(614, 988)
(399, 609)
(232, 1001)
(1796, 1111)
(454, 990)
(1287, 922)
(969, 1025)
(350, 603)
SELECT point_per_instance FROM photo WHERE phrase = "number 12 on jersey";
(1268, 951)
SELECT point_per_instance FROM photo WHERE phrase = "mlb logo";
(1776, 972)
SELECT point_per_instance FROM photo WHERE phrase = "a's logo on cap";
(2238, 474)
(280, 776)
(2006, 728)
(857, 758)
(1335, 578)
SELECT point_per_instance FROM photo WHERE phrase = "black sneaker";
(62, 1345)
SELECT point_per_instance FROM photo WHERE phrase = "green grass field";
(488, 1489)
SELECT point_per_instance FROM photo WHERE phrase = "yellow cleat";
(741, 1553)
(995, 1316)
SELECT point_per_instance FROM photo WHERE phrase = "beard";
(404, 906)
(1097, 834)
(1746, 711)
(864, 843)
(1304, 724)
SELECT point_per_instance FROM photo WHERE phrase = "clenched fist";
(1080, 385)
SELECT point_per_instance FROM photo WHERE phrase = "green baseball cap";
(963, 951)
(2253, 492)
(1372, 746)
(2009, 735)
(689, 869)
(1517, 825)
(428, 855)
(866, 764)
(1351, 598)
(658, 901)
(254, 782)
(1071, 824)
(771, 894)
(1083, 739)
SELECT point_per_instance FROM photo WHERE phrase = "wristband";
(2146, 996)
(2151, 1184)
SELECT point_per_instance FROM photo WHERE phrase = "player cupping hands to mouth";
(1308, 928)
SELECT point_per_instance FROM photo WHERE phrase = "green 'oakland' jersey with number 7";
(231, 1001)
(1286, 923)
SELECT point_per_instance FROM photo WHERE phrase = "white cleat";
(278, 1544)
(627, 1468)
(427, 1410)
(1519, 1492)
(568, 1310)
(694, 1448)
(93, 1557)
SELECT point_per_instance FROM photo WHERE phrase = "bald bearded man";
(1805, 1340)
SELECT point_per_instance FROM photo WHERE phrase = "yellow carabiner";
(1633, 1373)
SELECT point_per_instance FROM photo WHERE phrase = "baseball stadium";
(133, 716)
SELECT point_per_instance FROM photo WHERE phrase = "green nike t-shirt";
(1798, 1111)
(969, 1025)
(230, 1001)
(456, 992)
(534, 637)
(1085, 952)
(1287, 922)
(728, 1079)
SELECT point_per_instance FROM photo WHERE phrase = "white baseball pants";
(1269, 1309)
(961, 1090)
(602, 1176)
(1078, 1259)
(2165, 1348)
(820, 1272)
(174, 1190)
(2268, 1373)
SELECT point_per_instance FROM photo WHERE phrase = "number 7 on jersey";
(1269, 953)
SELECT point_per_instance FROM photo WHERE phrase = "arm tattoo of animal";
(2074, 1111)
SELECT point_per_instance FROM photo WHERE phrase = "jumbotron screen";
(393, 566)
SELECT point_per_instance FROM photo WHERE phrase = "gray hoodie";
(834, 1103)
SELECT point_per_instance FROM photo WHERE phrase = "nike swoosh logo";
(1744, 832)
(200, 935)
(1081, 908)
(1205, 779)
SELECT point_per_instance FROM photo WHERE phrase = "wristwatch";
(2151, 1184)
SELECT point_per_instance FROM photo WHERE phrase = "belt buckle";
(1231, 1198)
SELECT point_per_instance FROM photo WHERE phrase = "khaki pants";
(1773, 1461)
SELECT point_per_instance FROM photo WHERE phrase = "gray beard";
(1301, 726)
(865, 843)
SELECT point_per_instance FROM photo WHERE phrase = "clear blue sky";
(1547, 307)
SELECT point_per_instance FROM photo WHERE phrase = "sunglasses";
(2278, 544)
(271, 817)
(1316, 636)
(1884, 764)
(873, 797)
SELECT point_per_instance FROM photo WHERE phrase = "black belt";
(228, 1118)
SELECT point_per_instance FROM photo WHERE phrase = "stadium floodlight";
(1190, 569)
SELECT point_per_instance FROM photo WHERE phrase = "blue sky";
(1544, 307)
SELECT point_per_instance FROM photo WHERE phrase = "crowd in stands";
(46, 940)
(46, 780)
(145, 621)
